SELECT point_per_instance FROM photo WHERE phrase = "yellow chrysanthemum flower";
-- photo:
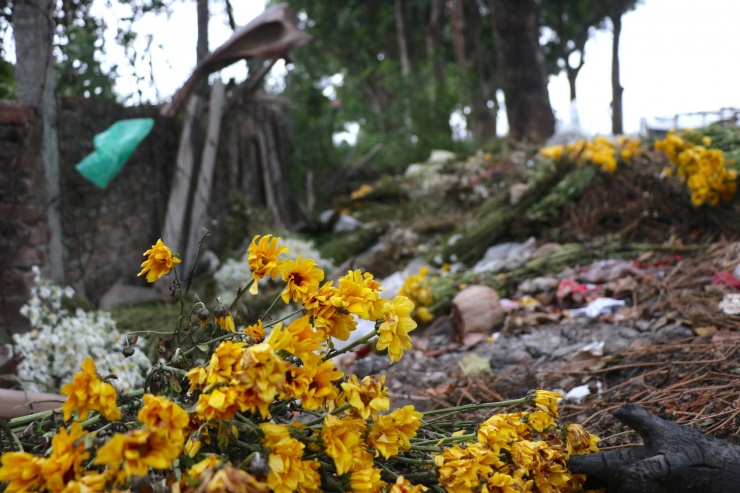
(262, 256)
(225, 362)
(362, 191)
(256, 331)
(580, 441)
(539, 421)
(335, 322)
(288, 472)
(65, 462)
(90, 482)
(132, 454)
(359, 294)
(395, 326)
(302, 278)
(403, 485)
(261, 379)
(321, 388)
(394, 431)
(368, 397)
(21, 471)
(340, 438)
(460, 469)
(196, 471)
(365, 478)
(88, 392)
(229, 479)
(162, 414)
(160, 262)
(299, 339)
(546, 401)
(553, 152)
(219, 405)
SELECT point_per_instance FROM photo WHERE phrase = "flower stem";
(348, 347)
(338, 410)
(300, 310)
(473, 407)
(182, 308)
(240, 292)
(269, 309)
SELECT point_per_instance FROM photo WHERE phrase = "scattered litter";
(508, 305)
(592, 349)
(505, 256)
(726, 279)
(730, 304)
(364, 327)
(577, 394)
(599, 306)
(572, 289)
(607, 270)
(474, 365)
(346, 224)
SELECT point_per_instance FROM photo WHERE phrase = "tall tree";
(201, 47)
(616, 10)
(571, 23)
(33, 28)
(522, 67)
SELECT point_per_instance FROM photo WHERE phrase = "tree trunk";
(617, 89)
(522, 67)
(201, 48)
(403, 48)
(673, 459)
(33, 28)
(434, 41)
(482, 118)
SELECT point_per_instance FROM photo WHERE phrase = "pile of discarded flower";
(277, 415)
(600, 151)
(704, 170)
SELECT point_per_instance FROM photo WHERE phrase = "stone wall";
(24, 233)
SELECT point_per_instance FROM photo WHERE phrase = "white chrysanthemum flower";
(57, 344)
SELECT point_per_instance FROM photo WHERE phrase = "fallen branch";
(673, 459)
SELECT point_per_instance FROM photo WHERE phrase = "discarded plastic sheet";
(113, 148)
(505, 256)
(730, 304)
(599, 306)
(570, 288)
(726, 279)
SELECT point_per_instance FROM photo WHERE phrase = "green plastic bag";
(112, 149)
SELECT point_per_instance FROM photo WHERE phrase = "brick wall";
(24, 234)
(106, 231)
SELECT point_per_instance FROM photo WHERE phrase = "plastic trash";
(571, 289)
(505, 256)
(599, 306)
(730, 304)
(113, 148)
(726, 279)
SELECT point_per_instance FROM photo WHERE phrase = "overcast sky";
(676, 56)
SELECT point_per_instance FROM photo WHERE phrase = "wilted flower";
(160, 261)
(88, 392)
(395, 326)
